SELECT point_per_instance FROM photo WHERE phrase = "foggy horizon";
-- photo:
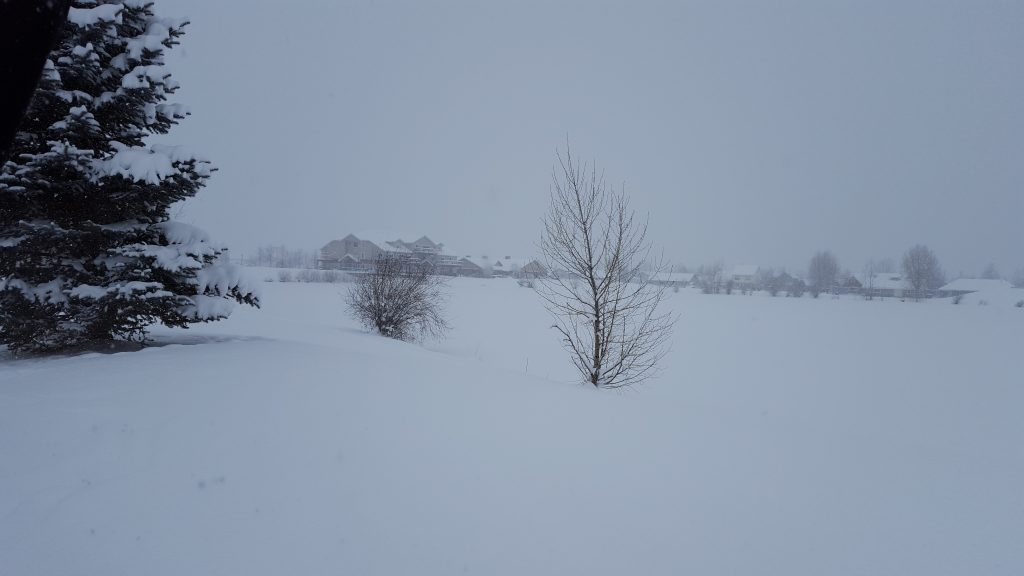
(311, 403)
(750, 134)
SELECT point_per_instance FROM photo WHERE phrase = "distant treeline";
(280, 257)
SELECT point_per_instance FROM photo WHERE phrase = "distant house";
(883, 285)
(744, 276)
(346, 262)
(848, 284)
(359, 251)
(506, 267)
(517, 268)
(672, 279)
(789, 284)
(477, 266)
(355, 253)
(962, 286)
(532, 269)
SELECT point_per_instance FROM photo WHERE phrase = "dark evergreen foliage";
(87, 251)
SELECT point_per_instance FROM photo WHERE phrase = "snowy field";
(788, 437)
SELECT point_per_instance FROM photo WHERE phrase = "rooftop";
(976, 285)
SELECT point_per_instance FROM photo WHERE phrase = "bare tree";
(711, 277)
(399, 300)
(766, 280)
(921, 270)
(872, 268)
(281, 257)
(605, 310)
(868, 279)
(822, 272)
(795, 287)
(991, 273)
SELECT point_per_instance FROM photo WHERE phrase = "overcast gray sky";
(752, 132)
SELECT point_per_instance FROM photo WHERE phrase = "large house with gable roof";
(358, 252)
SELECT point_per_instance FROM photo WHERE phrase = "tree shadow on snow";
(121, 346)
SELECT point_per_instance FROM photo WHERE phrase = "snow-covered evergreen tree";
(87, 249)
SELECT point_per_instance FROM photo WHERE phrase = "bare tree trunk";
(29, 30)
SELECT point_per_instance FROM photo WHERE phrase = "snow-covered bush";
(87, 251)
(1019, 304)
(307, 275)
(319, 276)
(399, 300)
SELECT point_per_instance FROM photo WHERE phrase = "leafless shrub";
(399, 300)
(1019, 304)
(284, 276)
(332, 276)
(604, 308)
(710, 278)
(307, 275)
(315, 276)
(1018, 278)
(958, 298)
(768, 281)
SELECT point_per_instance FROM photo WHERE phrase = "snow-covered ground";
(784, 437)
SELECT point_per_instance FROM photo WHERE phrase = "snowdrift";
(785, 437)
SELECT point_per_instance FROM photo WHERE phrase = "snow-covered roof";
(483, 262)
(394, 242)
(511, 264)
(883, 281)
(501, 264)
(975, 285)
(744, 270)
(383, 239)
(425, 241)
